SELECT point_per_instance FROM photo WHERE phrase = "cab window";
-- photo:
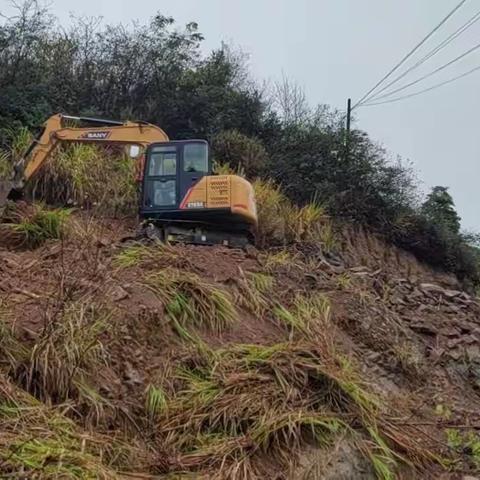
(195, 157)
(163, 161)
(164, 193)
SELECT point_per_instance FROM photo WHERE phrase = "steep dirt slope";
(206, 362)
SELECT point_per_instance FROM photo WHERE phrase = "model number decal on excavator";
(195, 204)
(96, 135)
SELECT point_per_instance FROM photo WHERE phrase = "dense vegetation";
(156, 72)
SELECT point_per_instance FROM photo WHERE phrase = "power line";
(474, 19)
(439, 69)
(438, 85)
(408, 55)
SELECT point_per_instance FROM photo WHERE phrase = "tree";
(153, 72)
(439, 209)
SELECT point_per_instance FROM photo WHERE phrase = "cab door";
(160, 185)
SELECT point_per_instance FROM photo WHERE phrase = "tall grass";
(158, 255)
(65, 358)
(89, 176)
(306, 315)
(280, 222)
(253, 292)
(19, 140)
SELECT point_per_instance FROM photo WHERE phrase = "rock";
(464, 326)
(449, 332)
(452, 343)
(103, 242)
(452, 293)
(437, 353)
(473, 352)
(416, 293)
(132, 377)
(118, 293)
(339, 462)
(359, 269)
(431, 287)
(424, 328)
(445, 292)
(469, 339)
(373, 356)
(455, 354)
(452, 309)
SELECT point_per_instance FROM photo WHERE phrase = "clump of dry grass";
(65, 358)
(279, 258)
(39, 442)
(306, 315)
(249, 409)
(191, 301)
(11, 349)
(254, 290)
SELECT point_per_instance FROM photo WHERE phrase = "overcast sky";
(341, 48)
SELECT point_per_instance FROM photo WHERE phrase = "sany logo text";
(95, 135)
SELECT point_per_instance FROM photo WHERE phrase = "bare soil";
(412, 332)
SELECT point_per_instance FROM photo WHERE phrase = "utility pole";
(347, 131)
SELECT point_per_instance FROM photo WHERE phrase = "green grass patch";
(305, 314)
(191, 301)
(32, 225)
(158, 255)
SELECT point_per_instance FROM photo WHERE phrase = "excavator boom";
(55, 131)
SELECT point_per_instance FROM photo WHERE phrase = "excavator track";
(196, 234)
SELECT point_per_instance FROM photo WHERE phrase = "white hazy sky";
(340, 48)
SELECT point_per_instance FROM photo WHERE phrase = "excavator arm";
(54, 132)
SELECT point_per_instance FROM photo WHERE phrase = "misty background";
(336, 49)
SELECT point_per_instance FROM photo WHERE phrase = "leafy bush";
(240, 152)
(437, 245)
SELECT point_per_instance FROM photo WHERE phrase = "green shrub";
(240, 152)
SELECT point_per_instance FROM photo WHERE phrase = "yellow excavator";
(180, 199)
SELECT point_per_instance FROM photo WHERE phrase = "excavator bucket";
(5, 189)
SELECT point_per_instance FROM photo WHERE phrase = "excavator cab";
(171, 170)
(183, 201)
